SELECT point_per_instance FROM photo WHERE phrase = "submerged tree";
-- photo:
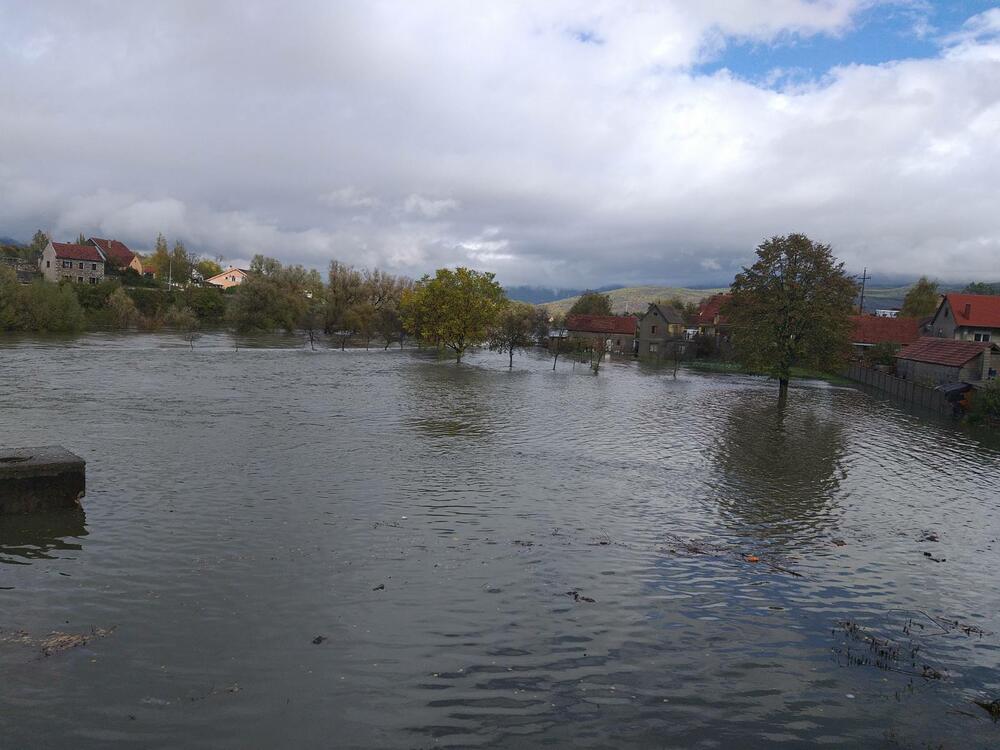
(515, 329)
(455, 308)
(921, 300)
(791, 309)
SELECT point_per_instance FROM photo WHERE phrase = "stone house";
(935, 361)
(616, 334)
(661, 331)
(967, 317)
(81, 264)
(117, 255)
(230, 277)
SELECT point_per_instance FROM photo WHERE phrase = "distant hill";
(636, 298)
(537, 295)
(11, 241)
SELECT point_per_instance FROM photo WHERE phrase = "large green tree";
(272, 296)
(454, 308)
(591, 303)
(791, 309)
(921, 300)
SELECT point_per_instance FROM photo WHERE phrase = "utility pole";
(864, 277)
(170, 275)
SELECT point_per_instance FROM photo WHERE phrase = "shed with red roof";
(934, 361)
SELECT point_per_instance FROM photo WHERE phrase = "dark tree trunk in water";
(511, 365)
(782, 389)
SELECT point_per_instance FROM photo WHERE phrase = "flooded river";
(377, 549)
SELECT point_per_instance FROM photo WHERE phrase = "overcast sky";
(556, 143)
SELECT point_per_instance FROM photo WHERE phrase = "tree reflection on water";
(782, 465)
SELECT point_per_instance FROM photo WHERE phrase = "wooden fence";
(904, 390)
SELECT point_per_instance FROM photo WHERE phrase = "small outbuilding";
(934, 361)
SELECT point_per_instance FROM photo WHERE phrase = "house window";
(652, 329)
(93, 279)
(652, 348)
(93, 266)
(67, 264)
(981, 336)
(81, 266)
(48, 264)
(79, 279)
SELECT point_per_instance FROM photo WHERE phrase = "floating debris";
(696, 547)
(319, 639)
(929, 536)
(991, 707)
(839, 542)
(380, 587)
(55, 641)
(935, 559)
(577, 597)
(522, 543)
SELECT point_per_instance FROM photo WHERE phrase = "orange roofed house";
(617, 332)
(967, 317)
(230, 277)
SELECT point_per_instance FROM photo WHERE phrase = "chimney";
(968, 309)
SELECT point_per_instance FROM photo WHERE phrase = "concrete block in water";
(40, 479)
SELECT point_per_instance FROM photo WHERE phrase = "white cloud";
(555, 143)
(428, 207)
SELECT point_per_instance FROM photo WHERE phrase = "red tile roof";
(709, 308)
(116, 252)
(871, 329)
(65, 250)
(943, 351)
(602, 324)
(984, 309)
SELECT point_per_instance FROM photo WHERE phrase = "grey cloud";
(413, 135)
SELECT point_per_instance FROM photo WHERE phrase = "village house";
(77, 263)
(661, 331)
(611, 333)
(228, 278)
(869, 330)
(117, 255)
(935, 361)
(967, 317)
(709, 321)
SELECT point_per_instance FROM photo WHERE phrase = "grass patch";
(798, 373)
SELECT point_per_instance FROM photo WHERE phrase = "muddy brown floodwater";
(376, 549)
